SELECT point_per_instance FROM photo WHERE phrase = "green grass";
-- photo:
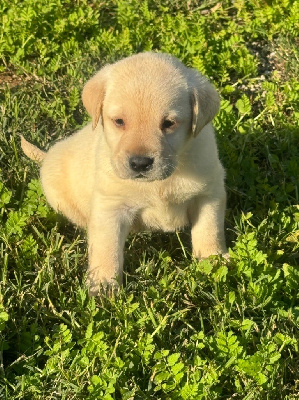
(179, 329)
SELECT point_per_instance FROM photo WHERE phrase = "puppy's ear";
(94, 93)
(204, 99)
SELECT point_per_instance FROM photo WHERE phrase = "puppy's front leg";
(207, 219)
(108, 229)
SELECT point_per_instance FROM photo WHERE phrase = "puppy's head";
(150, 106)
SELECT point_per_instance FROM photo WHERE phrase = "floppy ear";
(204, 99)
(94, 93)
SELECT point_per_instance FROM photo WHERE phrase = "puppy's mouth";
(157, 172)
(144, 178)
(140, 176)
(152, 176)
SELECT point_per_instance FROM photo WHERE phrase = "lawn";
(179, 328)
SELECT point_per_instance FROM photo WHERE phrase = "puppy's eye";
(119, 122)
(167, 123)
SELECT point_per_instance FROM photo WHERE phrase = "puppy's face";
(147, 120)
(147, 108)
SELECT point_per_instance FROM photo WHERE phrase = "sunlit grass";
(179, 328)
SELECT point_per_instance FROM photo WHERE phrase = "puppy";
(148, 160)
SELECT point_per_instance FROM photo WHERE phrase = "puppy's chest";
(165, 217)
(166, 208)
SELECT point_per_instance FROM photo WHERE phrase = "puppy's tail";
(32, 151)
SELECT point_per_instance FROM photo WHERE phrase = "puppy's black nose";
(140, 163)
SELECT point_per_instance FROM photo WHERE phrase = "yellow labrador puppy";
(148, 160)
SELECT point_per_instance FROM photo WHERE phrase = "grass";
(179, 329)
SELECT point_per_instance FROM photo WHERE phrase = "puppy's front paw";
(226, 256)
(101, 285)
(205, 252)
(108, 290)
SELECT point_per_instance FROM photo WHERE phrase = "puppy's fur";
(148, 160)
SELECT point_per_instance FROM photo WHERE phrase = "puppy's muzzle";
(141, 164)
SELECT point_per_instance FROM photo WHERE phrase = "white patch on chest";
(166, 208)
(167, 218)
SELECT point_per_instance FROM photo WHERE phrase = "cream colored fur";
(152, 107)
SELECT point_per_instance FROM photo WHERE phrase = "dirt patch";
(12, 80)
(276, 56)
